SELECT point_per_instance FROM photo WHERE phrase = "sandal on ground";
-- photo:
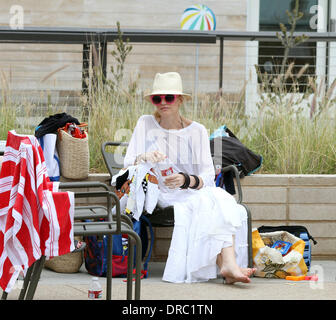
(79, 246)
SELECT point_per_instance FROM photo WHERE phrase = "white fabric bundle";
(138, 198)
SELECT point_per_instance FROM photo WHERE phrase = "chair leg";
(109, 268)
(26, 281)
(130, 268)
(25, 284)
(35, 278)
(138, 269)
(249, 235)
(137, 262)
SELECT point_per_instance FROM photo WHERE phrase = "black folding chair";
(164, 217)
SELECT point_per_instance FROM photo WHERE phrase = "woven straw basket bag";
(67, 263)
(73, 155)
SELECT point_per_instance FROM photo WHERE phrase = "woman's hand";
(153, 156)
(174, 181)
(177, 180)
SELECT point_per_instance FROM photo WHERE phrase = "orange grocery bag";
(270, 263)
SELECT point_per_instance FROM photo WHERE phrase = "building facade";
(29, 69)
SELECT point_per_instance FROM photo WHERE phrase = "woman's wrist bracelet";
(197, 181)
(186, 183)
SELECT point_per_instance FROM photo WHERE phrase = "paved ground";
(57, 286)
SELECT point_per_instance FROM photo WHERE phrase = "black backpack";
(228, 150)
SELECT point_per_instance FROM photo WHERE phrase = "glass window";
(271, 14)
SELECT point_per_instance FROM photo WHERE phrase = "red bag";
(119, 265)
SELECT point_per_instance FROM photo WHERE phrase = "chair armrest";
(83, 184)
(113, 143)
(125, 218)
(109, 196)
(236, 175)
(93, 184)
(98, 212)
(90, 212)
(109, 162)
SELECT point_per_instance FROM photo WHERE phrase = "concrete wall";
(308, 200)
(30, 67)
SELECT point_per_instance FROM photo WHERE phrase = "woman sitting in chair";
(209, 225)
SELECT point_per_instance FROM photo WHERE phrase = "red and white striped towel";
(35, 219)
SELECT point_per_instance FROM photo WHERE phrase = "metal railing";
(101, 38)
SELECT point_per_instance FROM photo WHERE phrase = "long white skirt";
(205, 221)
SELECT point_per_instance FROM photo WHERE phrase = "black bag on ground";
(229, 150)
(298, 231)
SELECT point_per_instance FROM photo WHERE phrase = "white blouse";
(188, 149)
(204, 219)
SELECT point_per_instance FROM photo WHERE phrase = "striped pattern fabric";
(35, 219)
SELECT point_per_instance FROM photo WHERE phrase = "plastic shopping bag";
(270, 262)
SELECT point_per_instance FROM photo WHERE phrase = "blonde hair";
(157, 115)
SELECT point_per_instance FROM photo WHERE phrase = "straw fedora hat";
(168, 83)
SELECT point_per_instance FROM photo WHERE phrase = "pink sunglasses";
(169, 98)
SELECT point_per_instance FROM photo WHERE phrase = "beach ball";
(198, 17)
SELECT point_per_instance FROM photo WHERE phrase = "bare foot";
(235, 274)
(229, 269)
(248, 271)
